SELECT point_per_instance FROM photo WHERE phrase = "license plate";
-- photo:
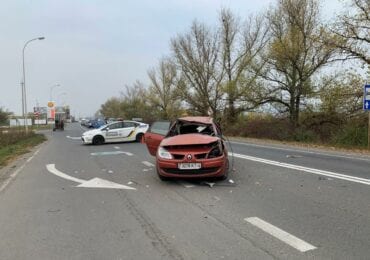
(189, 166)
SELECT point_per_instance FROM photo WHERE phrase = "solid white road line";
(111, 153)
(280, 234)
(304, 169)
(12, 176)
(302, 151)
(146, 163)
(15, 173)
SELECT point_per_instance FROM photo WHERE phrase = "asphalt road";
(279, 203)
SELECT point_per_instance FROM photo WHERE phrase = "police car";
(122, 131)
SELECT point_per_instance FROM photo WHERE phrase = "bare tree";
(163, 88)
(342, 94)
(134, 102)
(295, 55)
(196, 54)
(241, 42)
(352, 31)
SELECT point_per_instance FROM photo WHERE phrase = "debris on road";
(293, 156)
(210, 184)
(231, 181)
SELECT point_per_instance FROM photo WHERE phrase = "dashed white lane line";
(74, 137)
(280, 234)
(304, 169)
(117, 147)
(146, 163)
(16, 172)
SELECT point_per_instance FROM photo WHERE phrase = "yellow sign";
(50, 104)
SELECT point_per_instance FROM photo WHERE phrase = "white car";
(122, 131)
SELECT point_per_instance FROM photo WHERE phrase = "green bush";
(16, 142)
(351, 135)
(333, 129)
(305, 135)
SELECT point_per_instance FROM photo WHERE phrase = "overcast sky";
(93, 48)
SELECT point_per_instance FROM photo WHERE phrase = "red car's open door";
(153, 137)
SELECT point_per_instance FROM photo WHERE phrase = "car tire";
(98, 140)
(139, 136)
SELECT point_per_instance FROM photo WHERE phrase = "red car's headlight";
(163, 153)
(215, 152)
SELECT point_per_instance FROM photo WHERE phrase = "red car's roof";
(198, 119)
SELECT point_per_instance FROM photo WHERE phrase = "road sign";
(367, 97)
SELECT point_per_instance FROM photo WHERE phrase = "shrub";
(351, 135)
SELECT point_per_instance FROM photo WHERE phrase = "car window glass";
(115, 125)
(129, 124)
(160, 128)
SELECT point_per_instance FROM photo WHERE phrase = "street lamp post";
(24, 96)
(51, 91)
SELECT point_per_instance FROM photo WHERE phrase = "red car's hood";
(189, 139)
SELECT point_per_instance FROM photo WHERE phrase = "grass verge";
(11, 151)
(309, 145)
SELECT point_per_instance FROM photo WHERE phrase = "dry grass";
(14, 142)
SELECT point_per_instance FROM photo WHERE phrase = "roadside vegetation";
(14, 142)
(283, 74)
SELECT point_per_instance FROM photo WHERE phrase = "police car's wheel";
(139, 136)
(97, 140)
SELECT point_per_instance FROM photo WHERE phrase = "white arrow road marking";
(147, 164)
(280, 234)
(74, 138)
(111, 153)
(304, 169)
(93, 183)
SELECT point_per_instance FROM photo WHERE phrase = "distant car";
(191, 148)
(111, 120)
(123, 131)
(97, 123)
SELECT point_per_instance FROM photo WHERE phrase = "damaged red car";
(192, 147)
